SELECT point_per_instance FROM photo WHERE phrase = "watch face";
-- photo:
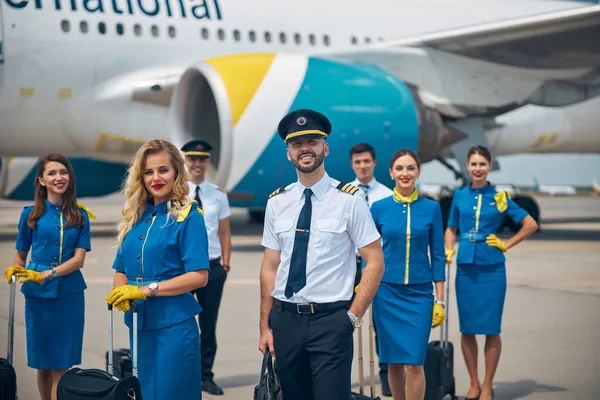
(358, 323)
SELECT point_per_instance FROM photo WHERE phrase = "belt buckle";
(472, 236)
(139, 280)
(308, 307)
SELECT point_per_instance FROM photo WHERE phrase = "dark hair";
(69, 201)
(405, 152)
(362, 148)
(480, 150)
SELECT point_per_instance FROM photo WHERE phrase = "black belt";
(215, 261)
(309, 308)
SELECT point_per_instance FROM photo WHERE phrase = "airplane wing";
(550, 60)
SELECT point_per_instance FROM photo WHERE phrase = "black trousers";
(383, 368)
(313, 353)
(209, 298)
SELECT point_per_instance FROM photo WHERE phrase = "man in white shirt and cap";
(363, 161)
(312, 228)
(213, 200)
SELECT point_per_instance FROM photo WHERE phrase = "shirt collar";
(50, 206)
(193, 185)
(484, 190)
(319, 189)
(160, 208)
(370, 184)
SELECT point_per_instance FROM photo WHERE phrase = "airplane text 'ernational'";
(197, 9)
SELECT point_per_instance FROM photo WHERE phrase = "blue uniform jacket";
(475, 212)
(408, 232)
(52, 245)
(156, 249)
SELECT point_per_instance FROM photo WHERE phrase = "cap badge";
(301, 121)
(199, 147)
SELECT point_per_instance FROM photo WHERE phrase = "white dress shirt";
(375, 192)
(215, 205)
(340, 222)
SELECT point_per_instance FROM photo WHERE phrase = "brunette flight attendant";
(477, 210)
(404, 307)
(57, 230)
(162, 258)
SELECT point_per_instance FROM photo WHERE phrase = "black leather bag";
(86, 384)
(268, 387)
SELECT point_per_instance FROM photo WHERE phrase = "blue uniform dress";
(54, 311)
(481, 272)
(158, 248)
(403, 304)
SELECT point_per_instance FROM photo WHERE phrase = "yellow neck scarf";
(406, 199)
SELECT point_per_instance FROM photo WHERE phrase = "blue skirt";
(403, 315)
(169, 362)
(54, 331)
(480, 294)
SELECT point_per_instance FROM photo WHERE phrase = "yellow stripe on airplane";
(242, 74)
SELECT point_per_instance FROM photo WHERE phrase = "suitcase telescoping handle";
(134, 351)
(444, 327)
(11, 321)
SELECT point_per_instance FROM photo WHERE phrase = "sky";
(550, 169)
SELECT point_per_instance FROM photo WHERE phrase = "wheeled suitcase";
(8, 376)
(439, 360)
(84, 384)
(361, 379)
(122, 363)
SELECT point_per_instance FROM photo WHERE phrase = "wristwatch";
(153, 288)
(443, 303)
(357, 322)
(53, 273)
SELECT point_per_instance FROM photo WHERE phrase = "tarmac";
(551, 320)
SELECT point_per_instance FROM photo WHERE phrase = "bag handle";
(11, 320)
(134, 360)
(96, 372)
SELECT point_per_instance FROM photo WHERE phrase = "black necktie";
(198, 196)
(297, 275)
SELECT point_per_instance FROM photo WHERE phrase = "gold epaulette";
(222, 189)
(277, 191)
(347, 187)
(90, 213)
(186, 211)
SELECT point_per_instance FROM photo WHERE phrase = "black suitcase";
(122, 366)
(439, 361)
(8, 376)
(360, 395)
(84, 384)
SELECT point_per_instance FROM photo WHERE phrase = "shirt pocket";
(285, 232)
(331, 235)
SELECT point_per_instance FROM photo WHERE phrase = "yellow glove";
(449, 254)
(15, 270)
(30, 275)
(439, 315)
(123, 306)
(356, 288)
(494, 241)
(125, 294)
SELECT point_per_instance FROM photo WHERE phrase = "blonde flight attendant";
(404, 307)
(57, 230)
(477, 210)
(162, 257)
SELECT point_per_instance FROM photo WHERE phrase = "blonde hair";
(136, 193)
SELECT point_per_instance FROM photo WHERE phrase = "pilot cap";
(197, 148)
(304, 124)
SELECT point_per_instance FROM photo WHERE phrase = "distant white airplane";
(554, 190)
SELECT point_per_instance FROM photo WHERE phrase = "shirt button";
(474, 208)
(148, 221)
(405, 206)
(137, 256)
(55, 243)
(54, 258)
(56, 208)
(56, 228)
(141, 237)
(403, 211)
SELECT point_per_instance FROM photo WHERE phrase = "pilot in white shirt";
(312, 228)
(215, 204)
(363, 161)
